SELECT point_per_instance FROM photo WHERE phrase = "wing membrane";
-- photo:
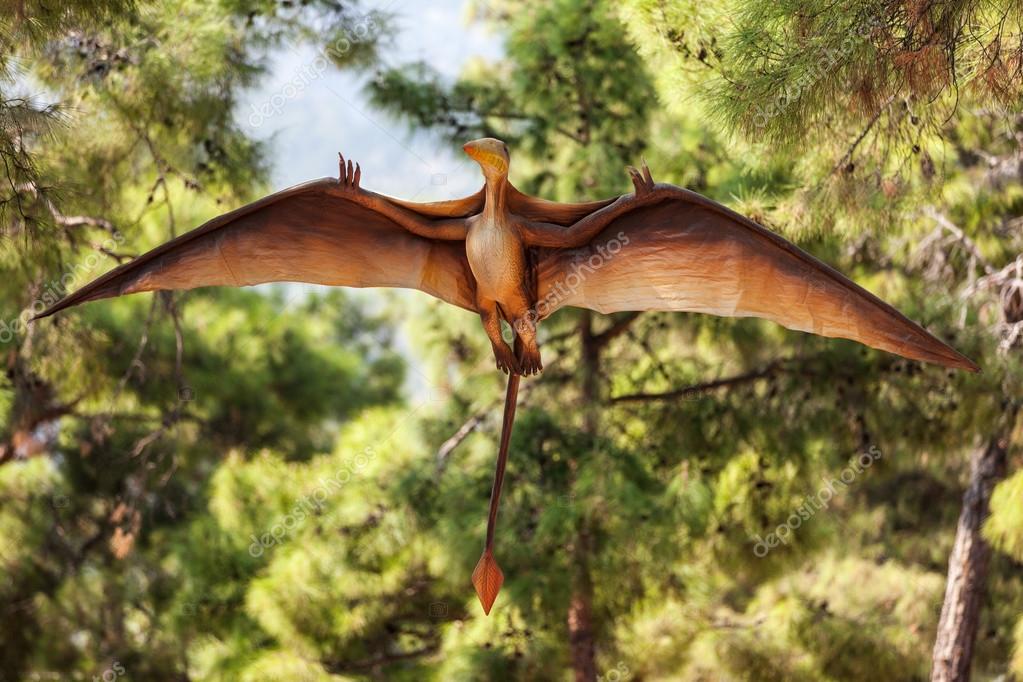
(305, 234)
(688, 253)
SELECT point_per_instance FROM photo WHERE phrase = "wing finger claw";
(637, 179)
(319, 232)
(776, 281)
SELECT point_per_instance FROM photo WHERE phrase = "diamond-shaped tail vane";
(487, 578)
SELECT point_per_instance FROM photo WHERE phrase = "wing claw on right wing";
(643, 182)
(689, 253)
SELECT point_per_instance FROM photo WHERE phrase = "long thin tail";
(488, 578)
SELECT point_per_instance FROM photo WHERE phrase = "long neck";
(496, 194)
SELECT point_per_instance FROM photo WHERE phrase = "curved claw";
(506, 360)
(637, 179)
(530, 363)
(647, 175)
(642, 181)
(349, 174)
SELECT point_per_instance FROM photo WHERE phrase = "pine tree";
(869, 129)
(113, 419)
(231, 485)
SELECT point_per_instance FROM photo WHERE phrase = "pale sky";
(309, 111)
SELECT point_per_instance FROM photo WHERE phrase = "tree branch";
(474, 422)
(863, 134)
(620, 326)
(942, 220)
(764, 372)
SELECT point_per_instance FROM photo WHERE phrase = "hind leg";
(524, 324)
(506, 361)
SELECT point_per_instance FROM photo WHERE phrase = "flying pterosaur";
(508, 256)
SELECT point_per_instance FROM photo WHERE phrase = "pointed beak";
(479, 152)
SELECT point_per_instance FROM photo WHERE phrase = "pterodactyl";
(508, 256)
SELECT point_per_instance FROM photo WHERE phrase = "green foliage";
(572, 99)
(1004, 528)
(250, 485)
(732, 465)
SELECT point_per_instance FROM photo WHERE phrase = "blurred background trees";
(240, 484)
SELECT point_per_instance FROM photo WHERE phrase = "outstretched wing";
(307, 233)
(688, 253)
(534, 208)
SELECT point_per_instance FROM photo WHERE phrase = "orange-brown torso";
(496, 255)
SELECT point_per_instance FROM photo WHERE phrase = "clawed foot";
(643, 182)
(506, 361)
(529, 361)
(348, 176)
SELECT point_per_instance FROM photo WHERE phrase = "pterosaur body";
(507, 256)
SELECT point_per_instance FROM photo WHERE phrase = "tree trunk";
(968, 567)
(580, 616)
(580, 605)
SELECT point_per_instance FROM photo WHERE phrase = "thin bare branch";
(619, 327)
(696, 389)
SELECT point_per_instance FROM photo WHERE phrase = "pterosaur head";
(490, 154)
